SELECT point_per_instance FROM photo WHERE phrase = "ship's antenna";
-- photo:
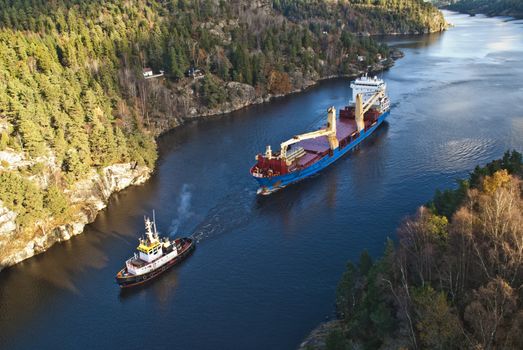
(145, 222)
(154, 222)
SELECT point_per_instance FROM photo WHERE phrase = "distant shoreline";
(396, 54)
(472, 13)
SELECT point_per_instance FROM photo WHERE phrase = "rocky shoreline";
(317, 338)
(246, 95)
(91, 195)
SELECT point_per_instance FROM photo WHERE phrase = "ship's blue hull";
(271, 184)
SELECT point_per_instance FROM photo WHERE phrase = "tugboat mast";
(150, 231)
(154, 223)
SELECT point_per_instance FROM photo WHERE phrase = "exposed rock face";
(89, 195)
(239, 96)
(7, 220)
(8, 158)
(186, 103)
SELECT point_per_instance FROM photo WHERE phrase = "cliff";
(87, 197)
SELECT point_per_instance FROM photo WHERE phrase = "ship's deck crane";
(361, 109)
(329, 132)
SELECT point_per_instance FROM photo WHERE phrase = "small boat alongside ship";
(155, 255)
(307, 154)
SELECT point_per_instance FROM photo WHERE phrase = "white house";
(147, 72)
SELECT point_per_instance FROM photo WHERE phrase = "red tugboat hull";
(126, 280)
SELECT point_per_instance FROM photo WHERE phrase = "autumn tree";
(437, 326)
(453, 282)
(488, 313)
(278, 83)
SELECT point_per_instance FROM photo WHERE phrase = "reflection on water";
(411, 41)
(162, 288)
(259, 260)
(365, 172)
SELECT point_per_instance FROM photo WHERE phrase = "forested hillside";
(490, 7)
(455, 279)
(367, 16)
(73, 99)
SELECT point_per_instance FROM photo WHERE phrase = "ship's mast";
(154, 223)
(149, 230)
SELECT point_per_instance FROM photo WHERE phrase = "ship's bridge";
(150, 247)
(146, 248)
(149, 252)
(367, 87)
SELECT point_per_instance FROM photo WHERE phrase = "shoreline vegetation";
(452, 281)
(490, 8)
(78, 119)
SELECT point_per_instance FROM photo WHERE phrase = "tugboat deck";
(138, 262)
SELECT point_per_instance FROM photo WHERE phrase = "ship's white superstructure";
(368, 87)
(152, 252)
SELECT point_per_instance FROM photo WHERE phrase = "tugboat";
(155, 255)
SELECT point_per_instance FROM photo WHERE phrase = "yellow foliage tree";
(499, 179)
(279, 83)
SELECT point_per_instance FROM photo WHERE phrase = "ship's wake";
(232, 212)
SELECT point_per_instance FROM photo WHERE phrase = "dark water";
(265, 269)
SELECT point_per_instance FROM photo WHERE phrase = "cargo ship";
(307, 154)
(155, 255)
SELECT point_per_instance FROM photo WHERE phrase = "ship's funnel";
(268, 152)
